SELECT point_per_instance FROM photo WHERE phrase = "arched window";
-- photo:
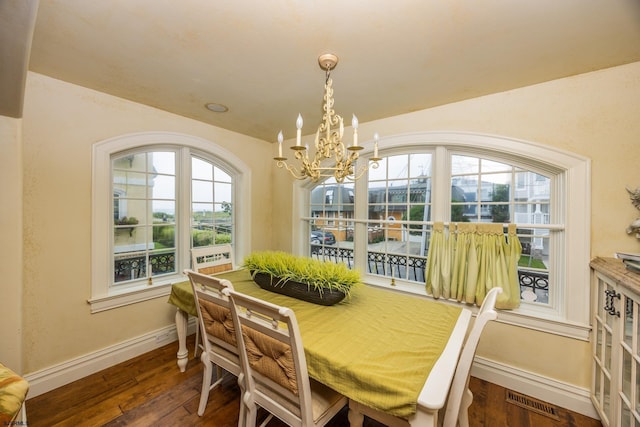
(169, 193)
(460, 177)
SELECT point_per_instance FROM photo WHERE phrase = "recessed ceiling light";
(217, 108)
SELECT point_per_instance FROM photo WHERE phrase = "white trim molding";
(58, 375)
(564, 395)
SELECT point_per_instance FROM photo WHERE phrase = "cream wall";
(11, 249)
(61, 122)
(594, 115)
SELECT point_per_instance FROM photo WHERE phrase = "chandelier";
(331, 158)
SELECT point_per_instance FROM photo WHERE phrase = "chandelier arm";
(292, 169)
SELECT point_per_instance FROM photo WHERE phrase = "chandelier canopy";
(331, 158)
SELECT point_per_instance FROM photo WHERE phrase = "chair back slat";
(214, 311)
(212, 259)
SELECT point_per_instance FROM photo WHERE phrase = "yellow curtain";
(465, 262)
(470, 260)
(434, 279)
(510, 298)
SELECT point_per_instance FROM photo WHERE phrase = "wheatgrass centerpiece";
(319, 282)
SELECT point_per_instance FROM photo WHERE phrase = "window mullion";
(183, 211)
(360, 227)
(441, 185)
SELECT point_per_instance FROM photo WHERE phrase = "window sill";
(133, 295)
(528, 316)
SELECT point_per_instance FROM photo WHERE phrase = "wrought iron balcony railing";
(412, 268)
(133, 266)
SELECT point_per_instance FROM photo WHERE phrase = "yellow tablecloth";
(377, 347)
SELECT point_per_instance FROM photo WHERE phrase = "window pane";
(202, 191)
(202, 224)
(220, 175)
(133, 184)
(162, 262)
(131, 162)
(162, 187)
(398, 167)
(201, 169)
(131, 211)
(491, 166)
(163, 211)
(419, 165)
(128, 238)
(162, 162)
(164, 237)
(499, 210)
(380, 172)
(461, 165)
(222, 192)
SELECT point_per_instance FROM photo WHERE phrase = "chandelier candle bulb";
(354, 124)
(280, 138)
(375, 145)
(299, 129)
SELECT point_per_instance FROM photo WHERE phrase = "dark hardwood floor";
(149, 390)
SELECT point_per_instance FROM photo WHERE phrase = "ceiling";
(259, 57)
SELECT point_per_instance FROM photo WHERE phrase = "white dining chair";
(218, 333)
(456, 410)
(460, 397)
(274, 367)
(210, 260)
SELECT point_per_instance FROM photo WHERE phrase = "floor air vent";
(532, 404)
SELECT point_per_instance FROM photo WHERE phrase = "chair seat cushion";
(271, 358)
(13, 392)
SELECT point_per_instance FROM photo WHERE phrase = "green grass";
(535, 263)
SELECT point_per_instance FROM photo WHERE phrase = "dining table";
(392, 352)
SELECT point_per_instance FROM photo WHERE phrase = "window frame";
(565, 316)
(103, 295)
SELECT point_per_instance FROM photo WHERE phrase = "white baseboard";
(568, 396)
(56, 376)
